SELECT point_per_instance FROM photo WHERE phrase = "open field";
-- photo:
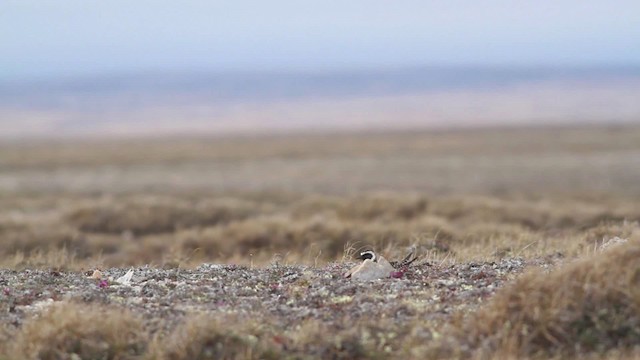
(156, 104)
(239, 245)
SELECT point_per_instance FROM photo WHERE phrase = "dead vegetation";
(585, 308)
(477, 208)
(589, 305)
(71, 331)
(207, 337)
(154, 216)
(185, 230)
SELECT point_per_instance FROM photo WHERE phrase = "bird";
(369, 254)
(397, 264)
(407, 260)
(374, 266)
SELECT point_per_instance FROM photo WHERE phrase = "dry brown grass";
(175, 150)
(72, 331)
(540, 161)
(156, 215)
(358, 341)
(458, 197)
(185, 230)
(207, 337)
(589, 305)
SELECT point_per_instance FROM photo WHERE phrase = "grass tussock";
(53, 258)
(229, 337)
(589, 306)
(536, 215)
(77, 331)
(326, 237)
(531, 197)
(317, 340)
(187, 229)
(381, 207)
(31, 238)
(207, 337)
(154, 216)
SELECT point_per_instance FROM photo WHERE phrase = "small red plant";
(398, 274)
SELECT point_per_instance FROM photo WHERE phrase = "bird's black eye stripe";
(368, 255)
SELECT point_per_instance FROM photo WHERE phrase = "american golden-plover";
(375, 266)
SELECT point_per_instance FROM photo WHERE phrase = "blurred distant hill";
(161, 103)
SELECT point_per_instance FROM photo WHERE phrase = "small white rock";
(126, 278)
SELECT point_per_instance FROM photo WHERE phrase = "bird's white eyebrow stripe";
(373, 254)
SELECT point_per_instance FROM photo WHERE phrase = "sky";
(70, 38)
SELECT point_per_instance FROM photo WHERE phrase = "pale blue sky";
(42, 38)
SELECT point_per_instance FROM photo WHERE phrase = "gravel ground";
(287, 293)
